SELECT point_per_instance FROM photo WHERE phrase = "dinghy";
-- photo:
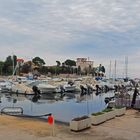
(12, 110)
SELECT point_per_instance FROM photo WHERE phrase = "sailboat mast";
(13, 65)
(115, 70)
(126, 67)
(110, 70)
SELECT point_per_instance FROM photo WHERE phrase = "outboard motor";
(37, 94)
(98, 89)
(83, 90)
(116, 88)
(71, 83)
(62, 91)
(36, 90)
(106, 88)
(108, 99)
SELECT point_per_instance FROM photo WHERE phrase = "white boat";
(43, 86)
(5, 85)
(47, 88)
(12, 111)
(21, 79)
(69, 88)
(21, 88)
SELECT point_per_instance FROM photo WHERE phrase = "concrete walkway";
(126, 127)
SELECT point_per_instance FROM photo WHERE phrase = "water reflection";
(35, 98)
(64, 107)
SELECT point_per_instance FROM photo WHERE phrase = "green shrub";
(80, 118)
(107, 110)
(97, 113)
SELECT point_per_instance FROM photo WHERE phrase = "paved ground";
(126, 127)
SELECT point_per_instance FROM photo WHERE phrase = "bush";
(97, 113)
(80, 118)
(107, 110)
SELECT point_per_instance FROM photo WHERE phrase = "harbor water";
(63, 108)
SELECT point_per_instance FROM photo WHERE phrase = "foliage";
(8, 65)
(69, 62)
(1, 67)
(43, 70)
(27, 67)
(80, 118)
(97, 113)
(93, 71)
(107, 110)
(101, 68)
(67, 67)
(38, 61)
(79, 70)
(58, 63)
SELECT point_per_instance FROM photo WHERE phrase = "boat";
(69, 87)
(43, 86)
(5, 85)
(21, 79)
(21, 88)
(47, 88)
(12, 110)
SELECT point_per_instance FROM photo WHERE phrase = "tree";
(1, 67)
(103, 69)
(89, 69)
(27, 67)
(70, 63)
(58, 63)
(79, 70)
(8, 65)
(9, 61)
(43, 70)
(38, 61)
(93, 71)
(100, 67)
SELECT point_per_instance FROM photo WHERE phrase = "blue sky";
(102, 30)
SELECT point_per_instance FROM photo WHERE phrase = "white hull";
(69, 88)
(21, 89)
(46, 88)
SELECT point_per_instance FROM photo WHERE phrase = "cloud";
(99, 29)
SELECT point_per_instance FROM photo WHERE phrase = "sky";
(101, 30)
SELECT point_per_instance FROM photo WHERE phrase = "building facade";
(84, 64)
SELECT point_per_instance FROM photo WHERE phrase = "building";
(84, 64)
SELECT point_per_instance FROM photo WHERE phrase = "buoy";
(51, 122)
(50, 119)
